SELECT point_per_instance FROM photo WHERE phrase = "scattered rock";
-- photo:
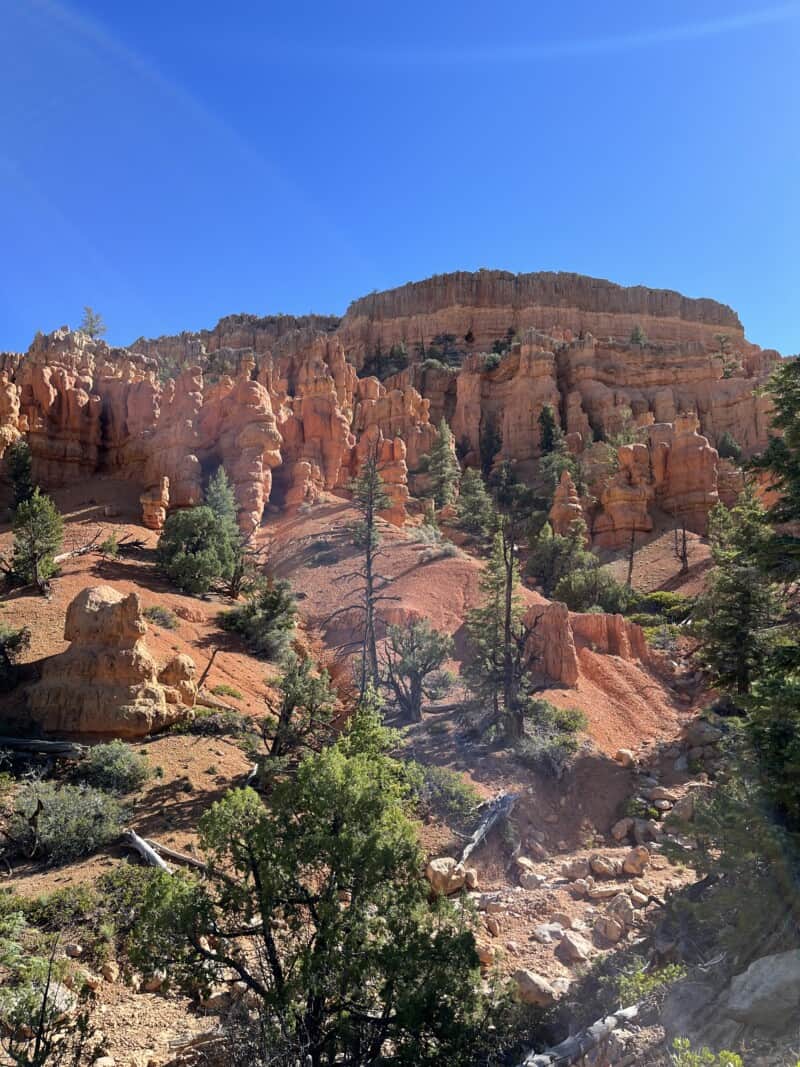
(471, 878)
(684, 808)
(486, 954)
(575, 869)
(660, 792)
(547, 933)
(621, 829)
(637, 861)
(153, 982)
(493, 925)
(700, 733)
(531, 880)
(445, 875)
(110, 971)
(534, 989)
(574, 948)
(603, 866)
(621, 909)
(625, 757)
(73, 951)
(602, 892)
(609, 928)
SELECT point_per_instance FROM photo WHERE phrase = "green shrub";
(209, 723)
(729, 448)
(266, 620)
(555, 556)
(18, 461)
(63, 823)
(636, 984)
(491, 361)
(160, 616)
(109, 547)
(684, 1056)
(443, 793)
(667, 605)
(196, 549)
(585, 589)
(13, 643)
(551, 737)
(115, 767)
(71, 906)
(225, 690)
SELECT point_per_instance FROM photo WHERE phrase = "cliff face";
(485, 305)
(277, 400)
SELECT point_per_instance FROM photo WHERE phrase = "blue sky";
(171, 162)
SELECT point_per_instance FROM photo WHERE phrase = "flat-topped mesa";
(480, 307)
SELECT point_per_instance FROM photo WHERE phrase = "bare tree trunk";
(631, 553)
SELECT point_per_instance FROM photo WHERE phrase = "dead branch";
(59, 749)
(497, 809)
(132, 840)
(576, 1047)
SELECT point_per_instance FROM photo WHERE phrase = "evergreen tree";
(303, 714)
(729, 448)
(496, 635)
(443, 467)
(92, 323)
(474, 506)
(18, 457)
(553, 556)
(369, 498)
(38, 535)
(342, 955)
(551, 437)
(782, 456)
(740, 605)
(195, 550)
(221, 499)
(414, 653)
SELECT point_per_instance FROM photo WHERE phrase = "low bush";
(225, 690)
(595, 587)
(58, 911)
(13, 644)
(636, 984)
(209, 723)
(729, 448)
(64, 823)
(443, 793)
(669, 606)
(115, 767)
(683, 1055)
(160, 616)
(552, 736)
(266, 620)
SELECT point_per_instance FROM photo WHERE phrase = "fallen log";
(206, 700)
(574, 1048)
(132, 840)
(173, 854)
(497, 809)
(38, 746)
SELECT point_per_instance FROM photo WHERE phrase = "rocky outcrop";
(566, 507)
(9, 412)
(107, 682)
(556, 636)
(484, 305)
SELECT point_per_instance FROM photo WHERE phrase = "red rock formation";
(485, 304)
(684, 472)
(566, 507)
(626, 499)
(155, 504)
(9, 412)
(107, 682)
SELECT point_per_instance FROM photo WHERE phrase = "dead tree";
(681, 547)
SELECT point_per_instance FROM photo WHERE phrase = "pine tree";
(551, 437)
(221, 499)
(92, 323)
(38, 535)
(443, 467)
(369, 498)
(782, 456)
(18, 457)
(496, 634)
(740, 605)
(553, 556)
(414, 652)
(474, 506)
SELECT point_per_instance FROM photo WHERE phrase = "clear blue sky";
(171, 161)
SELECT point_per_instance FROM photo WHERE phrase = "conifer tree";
(474, 506)
(38, 534)
(740, 605)
(443, 466)
(551, 437)
(369, 498)
(18, 457)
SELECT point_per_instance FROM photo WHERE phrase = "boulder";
(107, 682)
(637, 861)
(609, 929)
(446, 875)
(534, 989)
(574, 948)
(767, 994)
